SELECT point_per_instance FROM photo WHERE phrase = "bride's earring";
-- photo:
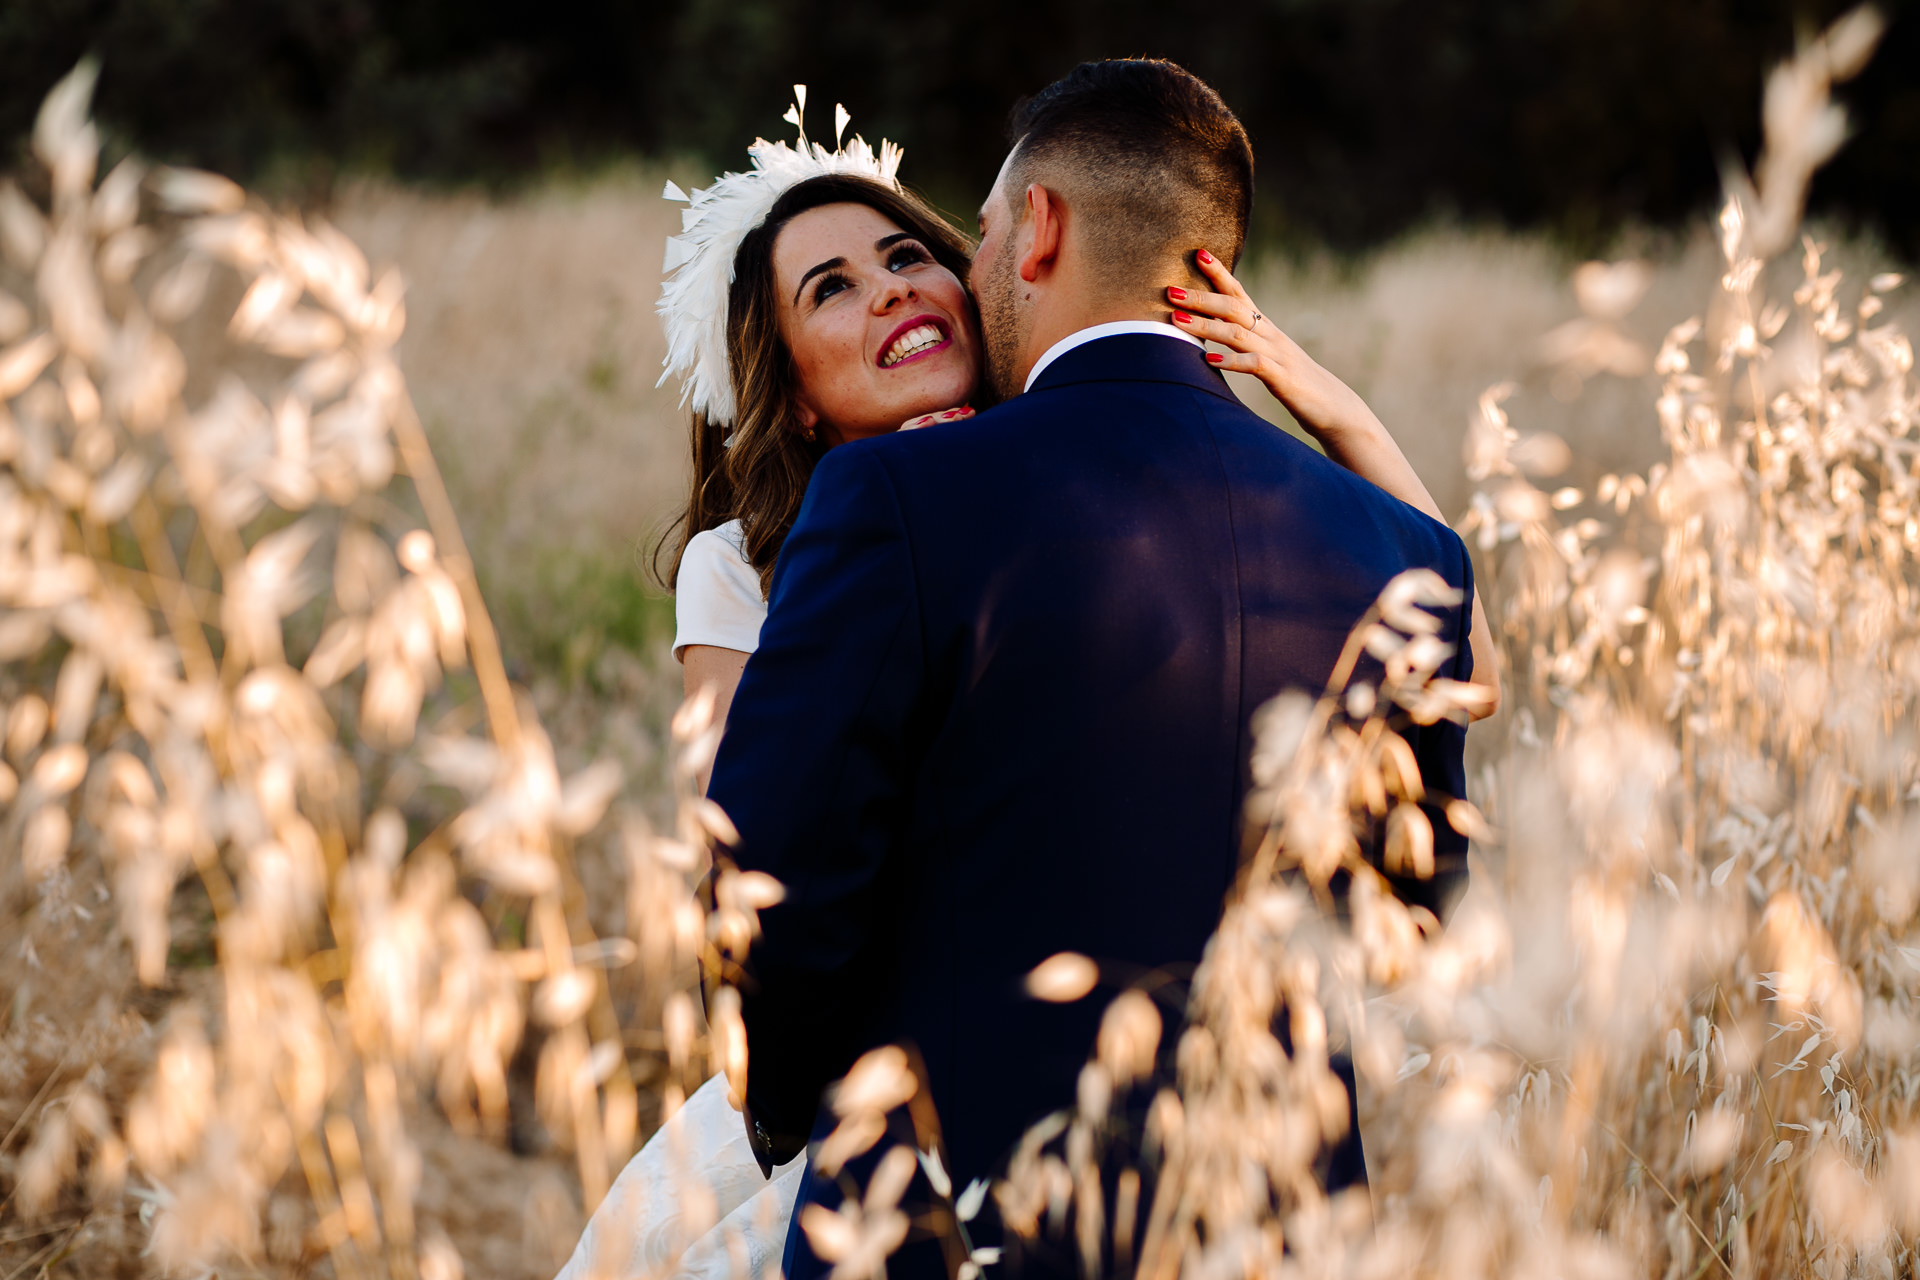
(806, 433)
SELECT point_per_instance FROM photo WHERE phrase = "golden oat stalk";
(221, 630)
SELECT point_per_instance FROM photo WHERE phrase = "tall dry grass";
(288, 859)
(533, 351)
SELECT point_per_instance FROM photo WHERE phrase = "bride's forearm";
(709, 665)
(1360, 443)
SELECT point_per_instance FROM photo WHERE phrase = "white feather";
(699, 261)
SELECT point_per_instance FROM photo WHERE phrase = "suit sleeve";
(814, 772)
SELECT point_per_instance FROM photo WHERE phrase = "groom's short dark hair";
(1146, 151)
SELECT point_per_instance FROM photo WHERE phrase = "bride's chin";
(933, 388)
(941, 393)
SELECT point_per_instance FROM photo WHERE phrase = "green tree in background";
(1368, 115)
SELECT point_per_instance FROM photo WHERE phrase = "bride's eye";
(830, 284)
(906, 255)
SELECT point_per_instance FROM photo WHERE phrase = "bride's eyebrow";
(831, 264)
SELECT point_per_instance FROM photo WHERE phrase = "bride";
(810, 301)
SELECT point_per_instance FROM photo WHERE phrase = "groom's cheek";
(983, 258)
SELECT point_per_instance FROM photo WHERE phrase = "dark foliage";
(1367, 115)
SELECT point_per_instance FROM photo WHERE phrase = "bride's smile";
(878, 330)
(920, 336)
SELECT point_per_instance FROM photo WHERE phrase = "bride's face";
(878, 330)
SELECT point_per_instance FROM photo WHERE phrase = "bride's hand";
(1326, 407)
(1329, 410)
(929, 419)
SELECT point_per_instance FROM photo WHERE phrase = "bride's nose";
(894, 292)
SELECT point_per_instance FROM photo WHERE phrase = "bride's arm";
(1330, 411)
(708, 664)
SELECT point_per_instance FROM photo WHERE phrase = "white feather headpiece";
(699, 265)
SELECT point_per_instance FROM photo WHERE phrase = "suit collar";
(1135, 357)
(1096, 331)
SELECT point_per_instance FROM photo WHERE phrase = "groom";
(1000, 706)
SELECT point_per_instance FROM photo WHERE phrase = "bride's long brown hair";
(761, 477)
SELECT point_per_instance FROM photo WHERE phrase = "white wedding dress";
(692, 1204)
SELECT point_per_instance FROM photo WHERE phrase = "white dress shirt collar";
(1107, 330)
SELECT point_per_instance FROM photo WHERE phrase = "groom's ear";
(1042, 251)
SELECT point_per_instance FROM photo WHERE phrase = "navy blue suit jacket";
(1000, 710)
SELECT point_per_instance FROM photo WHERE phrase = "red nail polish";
(1214, 357)
(1176, 293)
(1206, 257)
(1181, 317)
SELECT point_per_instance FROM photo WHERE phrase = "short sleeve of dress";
(717, 597)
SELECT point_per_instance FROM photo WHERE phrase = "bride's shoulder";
(716, 558)
(717, 598)
(724, 541)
